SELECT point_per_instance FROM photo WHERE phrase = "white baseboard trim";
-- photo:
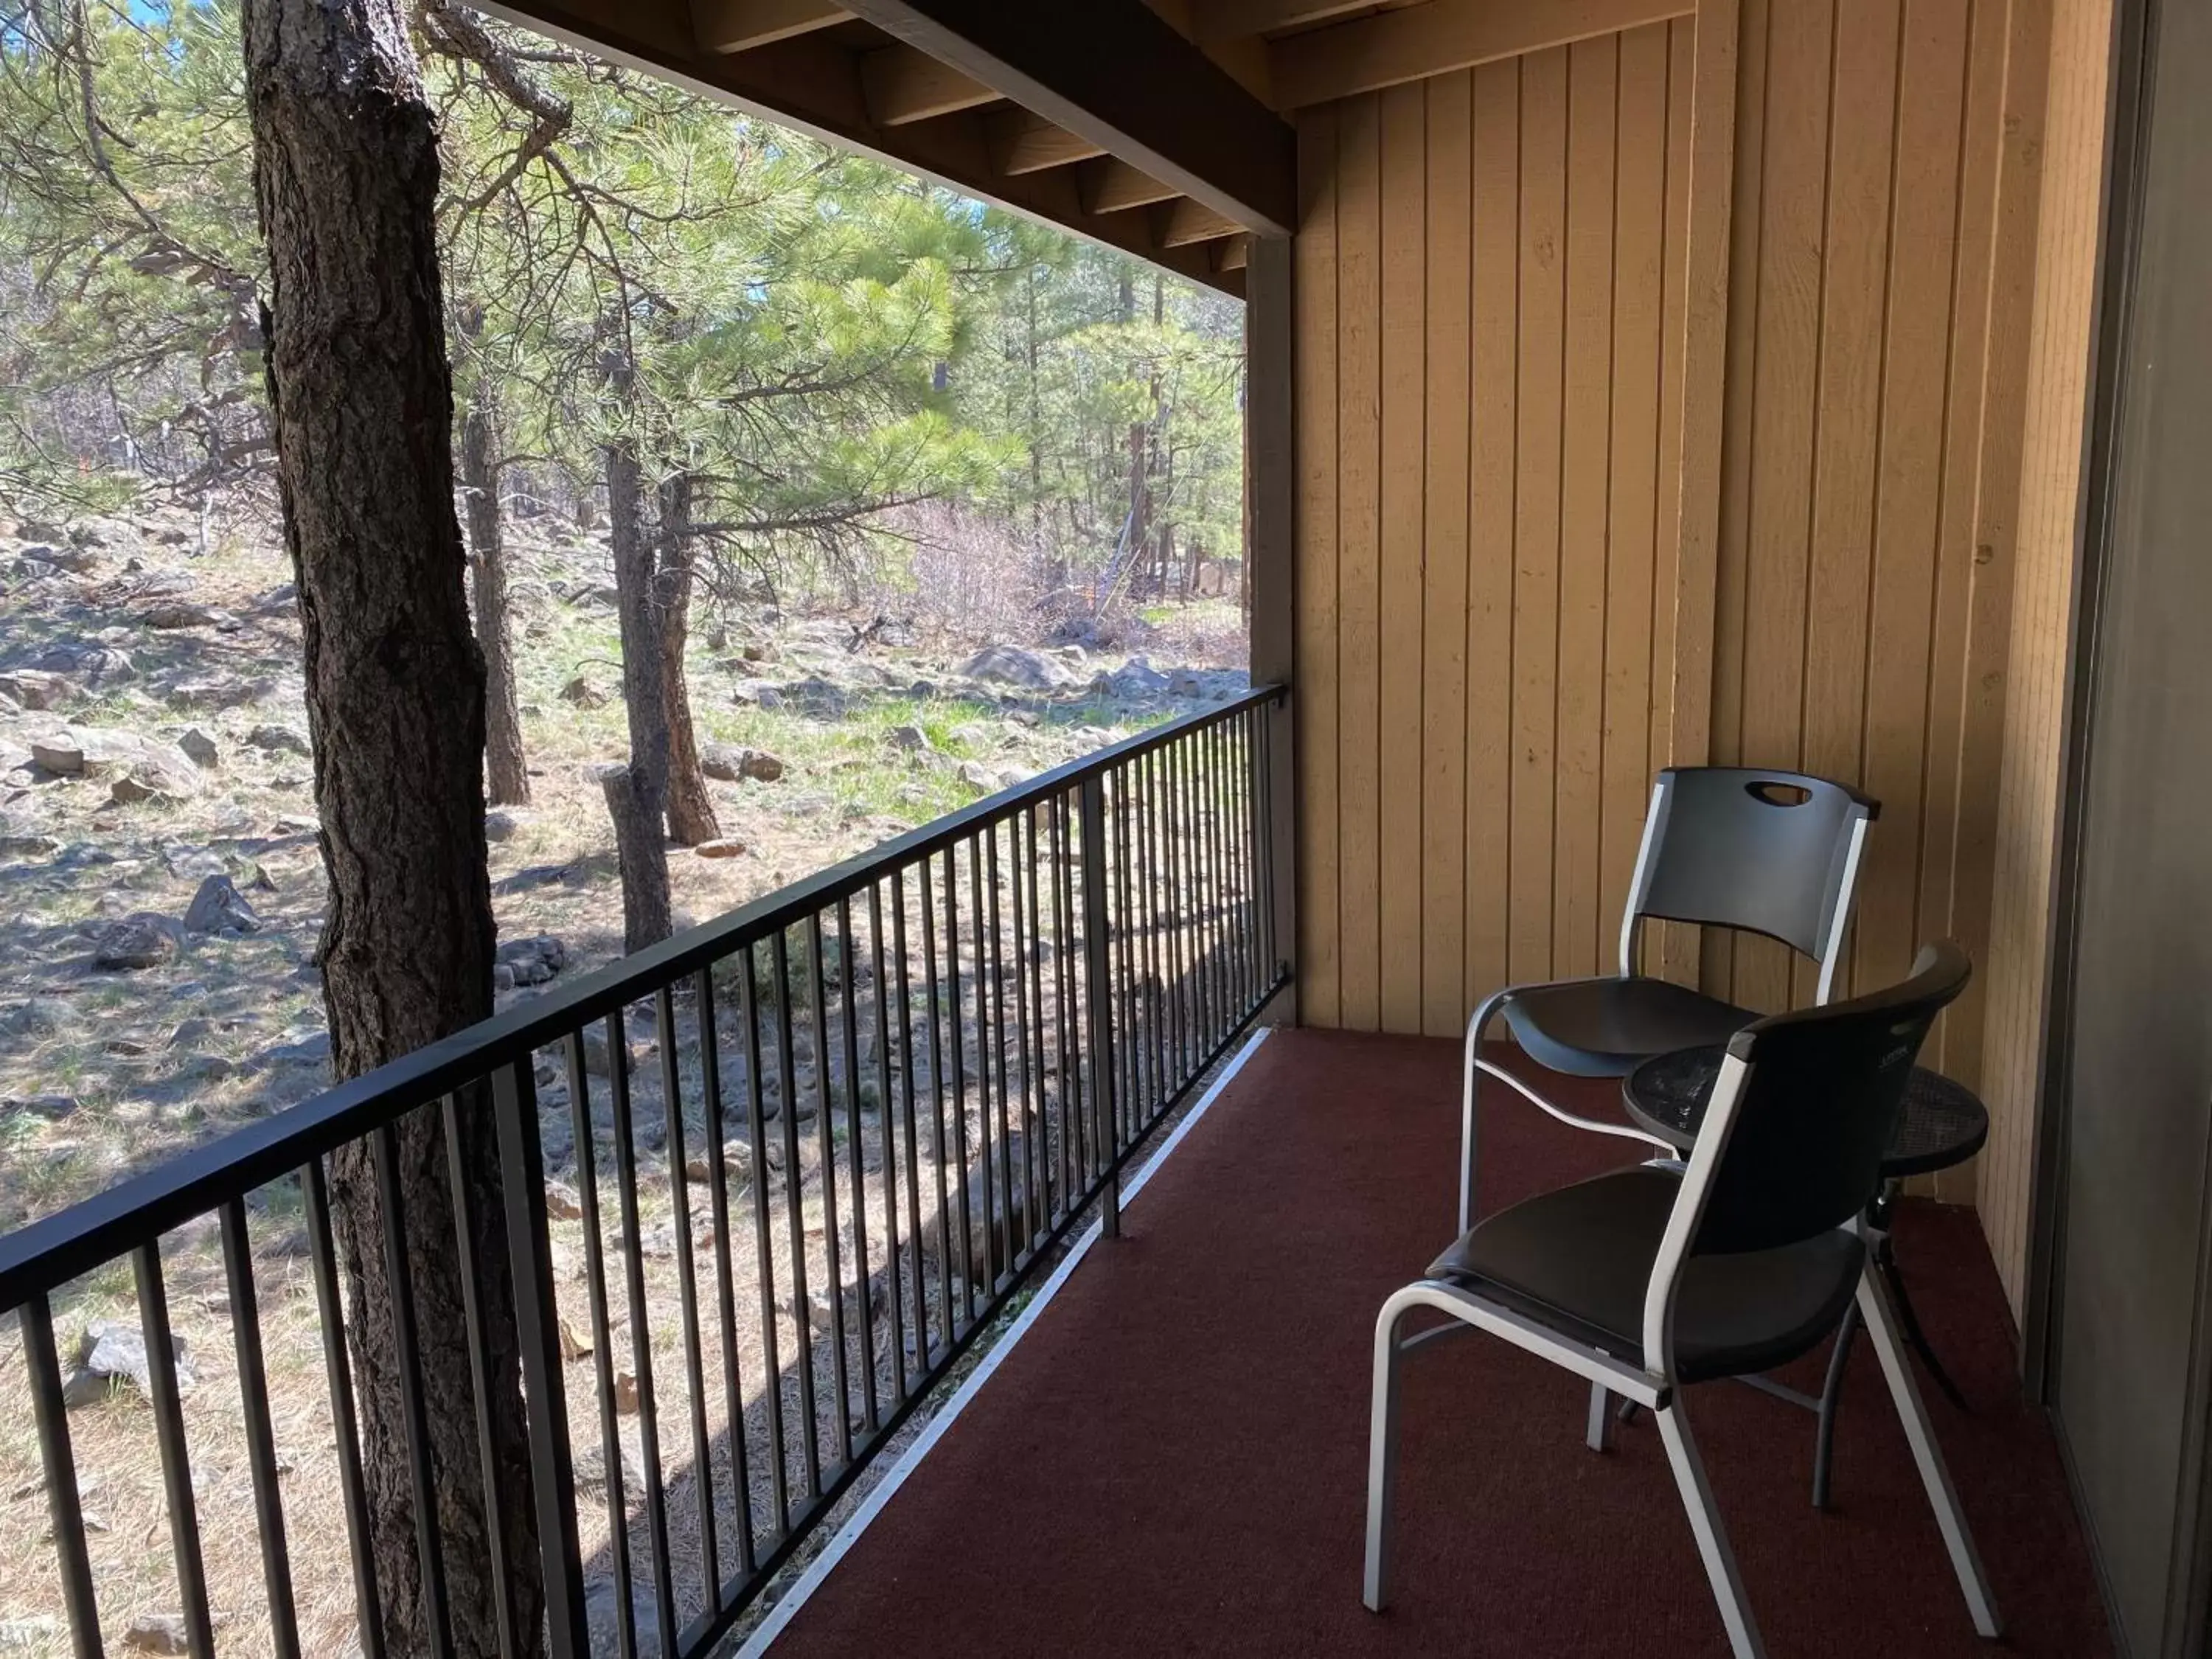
(858, 1523)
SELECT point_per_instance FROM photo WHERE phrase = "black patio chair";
(1734, 847)
(1652, 1278)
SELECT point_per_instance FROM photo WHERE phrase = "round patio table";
(1942, 1123)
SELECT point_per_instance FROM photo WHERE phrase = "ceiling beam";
(903, 85)
(1117, 73)
(1025, 143)
(1212, 21)
(741, 25)
(1110, 185)
(1182, 223)
(1438, 37)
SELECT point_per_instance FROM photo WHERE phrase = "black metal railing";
(759, 1188)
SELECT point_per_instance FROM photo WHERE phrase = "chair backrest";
(1801, 1143)
(1792, 1141)
(1769, 852)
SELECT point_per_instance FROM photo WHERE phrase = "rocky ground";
(160, 893)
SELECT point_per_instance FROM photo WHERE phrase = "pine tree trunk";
(505, 773)
(690, 808)
(639, 840)
(346, 177)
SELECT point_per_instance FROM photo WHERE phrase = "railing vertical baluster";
(1247, 839)
(414, 1411)
(764, 1239)
(323, 1256)
(1068, 1071)
(937, 1108)
(913, 1139)
(686, 1287)
(964, 1224)
(480, 1380)
(718, 1172)
(1099, 976)
(176, 1453)
(826, 1149)
(1171, 828)
(260, 1431)
(1198, 775)
(538, 1332)
(992, 964)
(986, 1165)
(1128, 1093)
(1217, 758)
(640, 1327)
(1021, 867)
(603, 1364)
(1271, 954)
(794, 1208)
(863, 1303)
(49, 1413)
(896, 1298)
(1155, 1034)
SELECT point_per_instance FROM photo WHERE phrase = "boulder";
(1136, 681)
(301, 1047)
(583, 694)
(219, 907)
(533, 961)
(200, 749)
(94, 665)
(158, 1632)
(1011, 665)
(502, 822)
(170, 614)
(731, 762)
(110, 1351)
(910, 738)
(108, 752)
(218, 693)
(134, 943)
(278, 740)
(721, 847)
(34, 688)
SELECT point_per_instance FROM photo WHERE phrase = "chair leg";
(1475, 1027)
(1712, 1537)
(1381, 1464)
(1881, 1327)
(1599, 1431)
(1832, 1396)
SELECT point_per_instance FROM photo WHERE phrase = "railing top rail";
(51, 1252)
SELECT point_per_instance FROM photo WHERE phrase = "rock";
(602, 1628)
(597, 1060)
(134, 943)
(220, 908)
(170, 614)
(591, 1467)
(582, 693)
(562, 1201)
(219, 693)
(762, 694)
(36, 1632)
(278, 740)
(200, 749)
(278, 598)
(34, 688)
(110, 1352)
(1136, 681)
(723, 848)
(192, 863)
(1010, 665)
(730, 762)
(93, 664)
(92, 752)
(574, 1344)
(911, 738)
(533, 961)
(128, 792)
(502, 823)
(981, 779)
(157, 1632)
(1184, 684)
(626, 1391)
(823, 699)
(39, 1016)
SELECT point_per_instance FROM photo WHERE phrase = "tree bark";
(346, 179)
(505, 772)
(690, 808)
(643, 851)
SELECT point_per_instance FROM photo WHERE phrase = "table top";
(1943, 1122)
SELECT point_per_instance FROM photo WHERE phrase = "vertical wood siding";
(1490, 299)
(2049, 503)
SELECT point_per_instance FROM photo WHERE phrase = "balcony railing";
(983, 1020)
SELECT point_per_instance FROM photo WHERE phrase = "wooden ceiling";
(1156, 126)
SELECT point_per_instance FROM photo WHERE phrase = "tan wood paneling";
(2050, 497)
(1500, 448)
(1641, 495)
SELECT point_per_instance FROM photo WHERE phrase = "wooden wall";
(2056, 408)
(1488, 290)
(1488, 276)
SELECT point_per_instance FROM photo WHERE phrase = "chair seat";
(1608, 1027)
(1578, 1262)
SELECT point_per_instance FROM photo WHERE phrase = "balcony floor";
(1171, 1460)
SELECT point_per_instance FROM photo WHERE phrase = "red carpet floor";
(1172, 1460)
